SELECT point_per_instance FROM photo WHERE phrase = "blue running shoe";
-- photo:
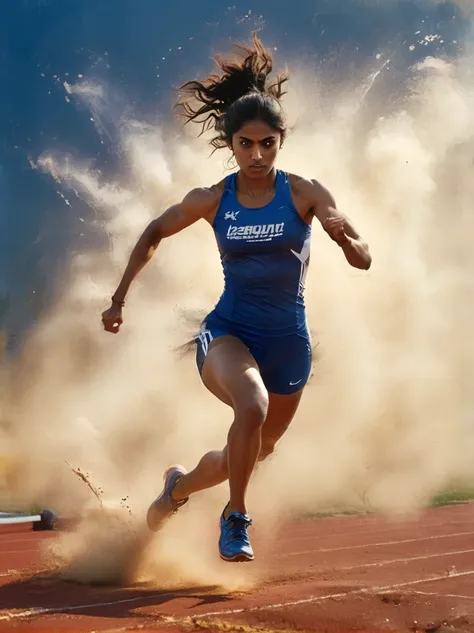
(234, 543)
(165, 506)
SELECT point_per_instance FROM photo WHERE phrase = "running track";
(364, 574)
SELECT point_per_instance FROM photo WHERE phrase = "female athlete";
(253, 351)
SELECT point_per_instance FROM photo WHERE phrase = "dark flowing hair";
(241, 92)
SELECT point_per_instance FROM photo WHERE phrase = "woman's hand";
(335, 228)
(112, 318)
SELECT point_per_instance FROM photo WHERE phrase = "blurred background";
(144, 51)
(380, 103)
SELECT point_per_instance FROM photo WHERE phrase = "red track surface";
(337, 574)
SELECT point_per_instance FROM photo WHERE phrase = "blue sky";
(127, 43)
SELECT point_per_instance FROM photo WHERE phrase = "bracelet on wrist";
(120, 303)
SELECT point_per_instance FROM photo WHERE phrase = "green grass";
(452, 497)
(447, 498)
(8, 504)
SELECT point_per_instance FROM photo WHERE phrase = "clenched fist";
(112, 318)
(334, 227)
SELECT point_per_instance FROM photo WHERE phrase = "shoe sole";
(240, 558)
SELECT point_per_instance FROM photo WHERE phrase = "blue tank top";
(265, 255)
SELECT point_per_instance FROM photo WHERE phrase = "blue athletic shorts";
(284, 361)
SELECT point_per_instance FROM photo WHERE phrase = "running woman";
(254, 348)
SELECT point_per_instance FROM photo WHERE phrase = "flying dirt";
(387, 418)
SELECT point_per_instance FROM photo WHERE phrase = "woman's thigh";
(231, 373)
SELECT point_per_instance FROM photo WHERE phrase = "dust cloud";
(387, 419)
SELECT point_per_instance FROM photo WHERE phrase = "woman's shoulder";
(218, 189)
(308, 194)
(207, 196)
(305, 186)
(206, 199)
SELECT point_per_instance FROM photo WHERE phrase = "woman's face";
(256, 146)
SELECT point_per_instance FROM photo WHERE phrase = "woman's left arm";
(339, 227)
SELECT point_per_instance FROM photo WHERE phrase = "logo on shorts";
(293, 384)
(231, 215)
(255, 232)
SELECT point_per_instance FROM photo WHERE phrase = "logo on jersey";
(304, 258)
(255, 232)
(231, 215)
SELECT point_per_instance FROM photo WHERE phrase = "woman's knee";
(252, 407)
(231, 373)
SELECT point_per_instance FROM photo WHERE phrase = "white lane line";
(442, 595)
(78, 607)
(394, 561)
(381, 563)
(380, 544)
(314, 599)
(374, 530)
(278, 605)
(26, 572)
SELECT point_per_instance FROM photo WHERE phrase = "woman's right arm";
(197, 204)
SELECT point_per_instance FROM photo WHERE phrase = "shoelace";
(175, 505)
(238, 529)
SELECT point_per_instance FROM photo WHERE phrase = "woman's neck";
(256, 187)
